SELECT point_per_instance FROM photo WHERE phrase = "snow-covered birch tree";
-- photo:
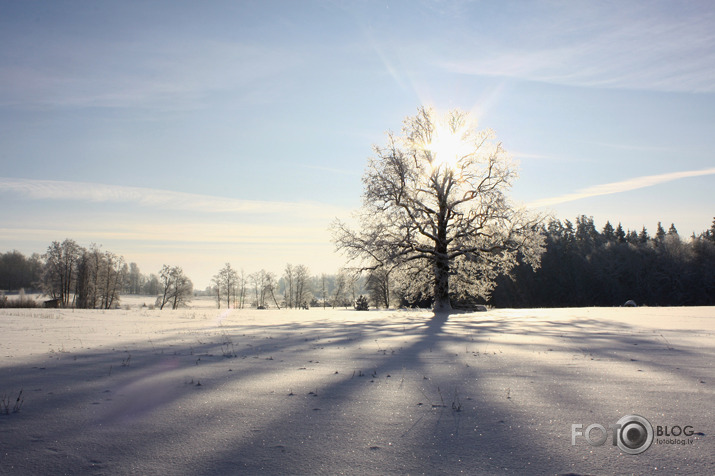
(435, 208)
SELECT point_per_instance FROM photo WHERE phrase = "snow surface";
(207, 391)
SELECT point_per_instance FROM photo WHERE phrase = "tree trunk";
(441, 275)
(275, 301)
(228, 293)
(441, 284)
(441, 262)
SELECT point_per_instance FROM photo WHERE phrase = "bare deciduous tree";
(176, 287)
(226, 281)
(152, 286)
(269, 286)
(88, 270)
(110, 279)
(323, 288)
(258, 281)
(60, 273)
(135, 279)
(379, 285)
(340, 288)
(216, 288)
(435, 207)
(241, 290)
(302, 292)
(288, 279)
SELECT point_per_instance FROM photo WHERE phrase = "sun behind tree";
(449, 144)
(435, 212)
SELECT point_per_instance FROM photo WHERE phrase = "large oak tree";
(435, 209)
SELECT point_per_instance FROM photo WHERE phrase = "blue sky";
(196, 133)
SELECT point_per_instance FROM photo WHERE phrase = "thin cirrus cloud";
(163, 75)
(558, 65)
(619, 187)
(159, 199)
(642, 48)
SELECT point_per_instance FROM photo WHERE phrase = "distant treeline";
(74, 276)
(20, 272)
(585, 267)
(70, 275)
(580, 267)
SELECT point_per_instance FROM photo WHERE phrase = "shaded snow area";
(343, 392)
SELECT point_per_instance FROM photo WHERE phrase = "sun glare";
(447, 147)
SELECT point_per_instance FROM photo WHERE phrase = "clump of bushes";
(21, 301)
(361, 303)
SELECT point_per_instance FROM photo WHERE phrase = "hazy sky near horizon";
(199, 133)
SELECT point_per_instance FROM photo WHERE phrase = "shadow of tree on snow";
(400, 392)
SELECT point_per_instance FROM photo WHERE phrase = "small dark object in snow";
(361, 304)
(51, 304)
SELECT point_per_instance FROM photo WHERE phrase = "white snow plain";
(207, 391)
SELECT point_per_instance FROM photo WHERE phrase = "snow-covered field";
(203, 391)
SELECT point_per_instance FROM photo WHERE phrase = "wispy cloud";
(618, 187)
(167, 75)
(526, 155)
(642, 46)
(159, 199)
(163, 233)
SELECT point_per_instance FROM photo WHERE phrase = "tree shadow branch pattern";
(404, 393)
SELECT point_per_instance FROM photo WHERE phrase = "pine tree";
(643, 236)
(660, 232)
(620, 234)
(608, 232)
(672, 231)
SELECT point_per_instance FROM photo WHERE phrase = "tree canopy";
(435, 210)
